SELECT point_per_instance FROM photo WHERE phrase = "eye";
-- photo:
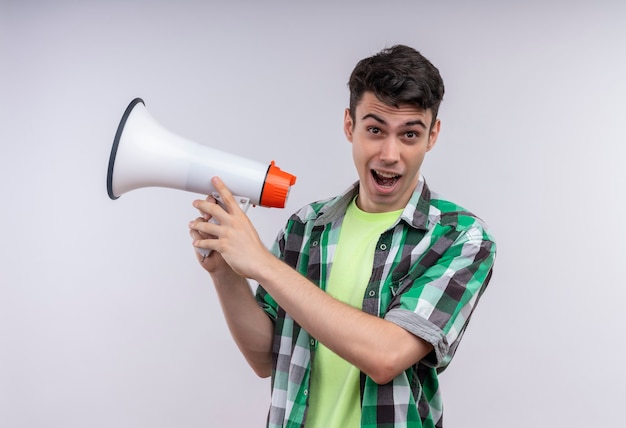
(411, 135)
(373, 130)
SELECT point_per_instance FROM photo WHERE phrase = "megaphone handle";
(244, 204)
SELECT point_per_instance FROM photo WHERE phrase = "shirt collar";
(415, 213)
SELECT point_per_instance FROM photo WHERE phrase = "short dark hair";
(397, 75)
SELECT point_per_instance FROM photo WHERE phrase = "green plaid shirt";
(430, 269)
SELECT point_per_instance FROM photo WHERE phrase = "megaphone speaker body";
(145, 154)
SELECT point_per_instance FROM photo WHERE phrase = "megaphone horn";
(145, 154)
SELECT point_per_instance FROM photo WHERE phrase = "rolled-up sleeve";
(435, 300)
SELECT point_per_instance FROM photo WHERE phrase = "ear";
(434, 133)
(348, 125)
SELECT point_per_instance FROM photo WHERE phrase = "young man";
(364, 297)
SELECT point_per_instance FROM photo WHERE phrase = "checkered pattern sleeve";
(264, 299)
(436, 297)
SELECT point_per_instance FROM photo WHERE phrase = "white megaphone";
(145, 154)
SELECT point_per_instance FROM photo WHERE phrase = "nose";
(390, 150)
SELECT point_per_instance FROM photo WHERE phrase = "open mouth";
(385, 179)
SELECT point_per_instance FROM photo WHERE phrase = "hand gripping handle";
(244, 204)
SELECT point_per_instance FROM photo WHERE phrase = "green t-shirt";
(334, 399)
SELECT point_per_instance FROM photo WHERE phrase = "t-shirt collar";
(415, 213)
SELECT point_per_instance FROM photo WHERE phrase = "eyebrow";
(382, 121)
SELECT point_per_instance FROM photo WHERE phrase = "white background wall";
(106, 320)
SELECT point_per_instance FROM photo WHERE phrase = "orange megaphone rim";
(276, 187)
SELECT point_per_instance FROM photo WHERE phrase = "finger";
(228, 200)
(203, 228)
(197, 235)
(202, 242)
(206, 207)
(196, 230)
(211, 200)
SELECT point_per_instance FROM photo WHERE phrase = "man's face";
(388, 147)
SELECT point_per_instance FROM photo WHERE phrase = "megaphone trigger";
(244, 202)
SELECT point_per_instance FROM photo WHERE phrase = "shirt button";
(306, 392)
(312, 342)
(314, 243)
(383, 247)
(372, 293)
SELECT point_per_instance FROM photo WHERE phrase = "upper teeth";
(386, 175)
